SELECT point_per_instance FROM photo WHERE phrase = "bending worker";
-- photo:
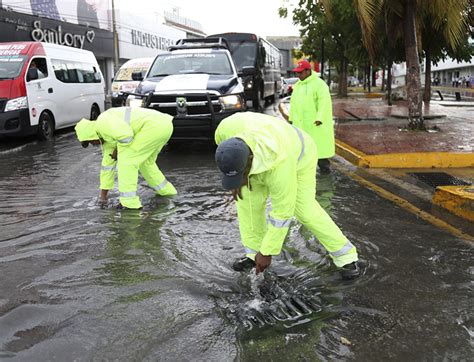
(264, 157)
(131, 139)
(311, 111)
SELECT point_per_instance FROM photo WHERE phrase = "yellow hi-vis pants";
(253, 224)
(141, 156)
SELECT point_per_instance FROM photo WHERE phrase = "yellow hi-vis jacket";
(310, 102)
(139, 134)
(284, 170)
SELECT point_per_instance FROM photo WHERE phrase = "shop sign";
(57, 36)
(150, 40)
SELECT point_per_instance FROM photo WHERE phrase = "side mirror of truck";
(248, 71)
(137, 76)
(32, 74)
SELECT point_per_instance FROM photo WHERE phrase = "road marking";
(408, 206)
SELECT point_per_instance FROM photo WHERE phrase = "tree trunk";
(368, 77)
(383, 79)
(415, 117)
(427, 93)
(365, 79)
(389, 82)
(374, 77)
(343, 78)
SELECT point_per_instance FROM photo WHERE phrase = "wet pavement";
(83, 283)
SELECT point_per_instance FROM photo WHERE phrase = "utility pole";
(116, 42)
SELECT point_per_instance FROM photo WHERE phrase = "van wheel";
(45, 127)
(95, 112)
(257, 101)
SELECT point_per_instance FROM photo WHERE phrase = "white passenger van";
(123, 81)
(45, 86)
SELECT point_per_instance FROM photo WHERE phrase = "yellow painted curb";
(405, 160)
(457, 199)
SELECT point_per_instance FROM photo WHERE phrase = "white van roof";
(68, 53)
(132, 62)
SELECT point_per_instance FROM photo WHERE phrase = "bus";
(258, 62)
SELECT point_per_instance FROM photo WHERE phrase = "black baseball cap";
(231, 157)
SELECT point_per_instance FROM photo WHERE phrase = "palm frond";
(368, 12)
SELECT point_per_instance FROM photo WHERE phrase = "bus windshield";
(244, 53)
(191, 63)
(11, 65)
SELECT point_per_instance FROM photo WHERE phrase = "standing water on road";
(79, 282)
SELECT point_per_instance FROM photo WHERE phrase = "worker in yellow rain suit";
(311, 111)
(131, 140)
(264, 157)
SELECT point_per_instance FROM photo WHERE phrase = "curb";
(405, 160)
(457, 199)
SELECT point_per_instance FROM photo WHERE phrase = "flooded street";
(83, 283)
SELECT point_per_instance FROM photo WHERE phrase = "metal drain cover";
(435, 179)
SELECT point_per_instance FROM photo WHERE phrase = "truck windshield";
(191, 63)
(244, 53)
(11, 65)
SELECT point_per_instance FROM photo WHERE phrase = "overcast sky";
(217, 16)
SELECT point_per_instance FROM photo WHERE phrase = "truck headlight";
(249, 85)
(134, 102)
(16, 103)
(231, 102)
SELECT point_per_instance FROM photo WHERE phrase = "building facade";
(69, 23)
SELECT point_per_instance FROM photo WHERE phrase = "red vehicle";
(290, 83)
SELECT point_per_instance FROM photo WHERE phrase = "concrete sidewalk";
(372, 135)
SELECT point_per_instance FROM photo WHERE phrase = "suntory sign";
(57, 36)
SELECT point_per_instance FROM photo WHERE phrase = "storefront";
(17, 26)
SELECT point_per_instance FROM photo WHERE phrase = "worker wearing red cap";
(311, 110)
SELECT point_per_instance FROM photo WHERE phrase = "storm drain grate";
(435, 179)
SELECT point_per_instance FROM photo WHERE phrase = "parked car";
(196, 82)
(290, 82)
(283, 88)
(123, 81)
(45, 86)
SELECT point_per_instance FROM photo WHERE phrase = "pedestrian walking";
(131, 140)
(311, 110)
(263, 157)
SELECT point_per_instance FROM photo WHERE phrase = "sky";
(217, 16)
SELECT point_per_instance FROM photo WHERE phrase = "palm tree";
(450, 15)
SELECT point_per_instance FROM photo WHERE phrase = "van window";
(75, 72)
(40, 65)
(11, 65)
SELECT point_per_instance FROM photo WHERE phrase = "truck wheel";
(95, 111)
(45, 127)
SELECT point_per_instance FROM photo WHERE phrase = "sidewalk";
(371, 135)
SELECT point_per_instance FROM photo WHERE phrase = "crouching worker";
(262, 157)
(131, 140)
